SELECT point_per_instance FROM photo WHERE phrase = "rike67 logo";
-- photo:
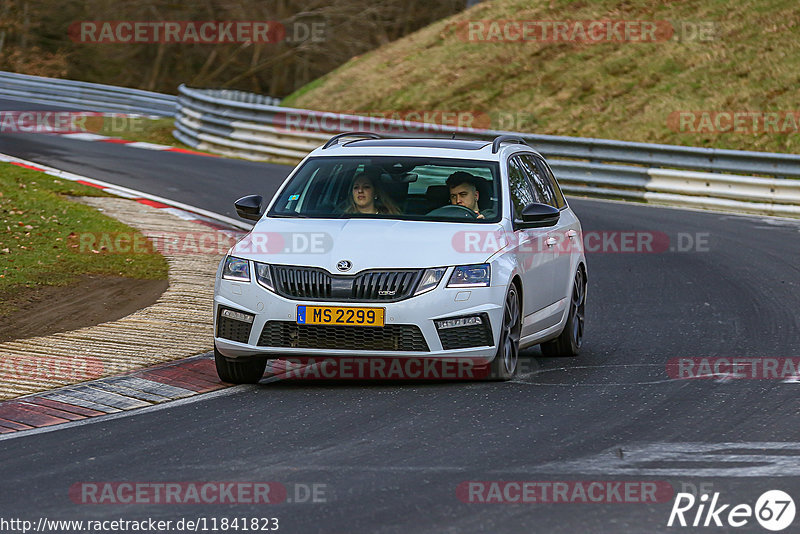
(774, 510)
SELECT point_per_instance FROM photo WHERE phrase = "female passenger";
(369, 198)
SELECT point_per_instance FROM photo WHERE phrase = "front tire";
(504, 364)
(569, 342)
(246, 371)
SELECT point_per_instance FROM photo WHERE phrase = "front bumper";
(415, 313)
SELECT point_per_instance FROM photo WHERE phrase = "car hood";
(367, 243)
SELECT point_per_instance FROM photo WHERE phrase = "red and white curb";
(153, 388)
(179, 209)
(138, 389)
(130, 391)
(88, 136)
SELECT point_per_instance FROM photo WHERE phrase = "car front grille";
(302, 282)
(463, 337)
(405, 338)
(309, 283)
(232, 329)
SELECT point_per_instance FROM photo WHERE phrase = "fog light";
(237, 316)
(456, 323)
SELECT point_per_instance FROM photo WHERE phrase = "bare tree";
(320, 36)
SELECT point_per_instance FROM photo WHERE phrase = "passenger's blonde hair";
(383, 203)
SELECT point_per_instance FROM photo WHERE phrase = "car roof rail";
(334, 140)
(506, 138)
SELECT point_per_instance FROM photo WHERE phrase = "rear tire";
(504, 364)
(568, 343)
(245, 371)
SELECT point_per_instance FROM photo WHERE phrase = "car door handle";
(572, 234)
(551, 241)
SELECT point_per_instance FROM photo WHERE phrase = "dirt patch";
(91, 300)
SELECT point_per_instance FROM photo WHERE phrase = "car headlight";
(236, 269)
(470, 276)
(430, 279)
(264, 276)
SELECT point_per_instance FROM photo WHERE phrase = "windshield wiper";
(286, 216)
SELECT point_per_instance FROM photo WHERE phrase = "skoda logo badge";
(344, 265)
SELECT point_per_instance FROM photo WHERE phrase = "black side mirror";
(536, 215)
(249, 207)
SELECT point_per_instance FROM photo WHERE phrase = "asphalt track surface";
(391, 454)
(198, 180)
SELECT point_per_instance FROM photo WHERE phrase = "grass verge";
(143, 129)
(633, 91)
(38, 227)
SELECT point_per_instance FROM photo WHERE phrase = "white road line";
(117, 192)
(85, 136)
(182, 214)
(746, 459)
(148, 146)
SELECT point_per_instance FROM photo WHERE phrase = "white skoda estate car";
(404, 248)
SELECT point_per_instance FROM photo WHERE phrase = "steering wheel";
(454, 210)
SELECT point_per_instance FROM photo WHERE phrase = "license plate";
(340, 316)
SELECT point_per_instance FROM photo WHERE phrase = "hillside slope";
(709, 56)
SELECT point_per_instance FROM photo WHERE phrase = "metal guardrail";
(84, 96)
(239, 124)
(252, 126)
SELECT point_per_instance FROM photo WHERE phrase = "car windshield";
(409, 188)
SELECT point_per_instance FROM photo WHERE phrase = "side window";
(545, 169)
(317, 196)
(298, 197)
(538, 180)
(321, 190)
(520, 189)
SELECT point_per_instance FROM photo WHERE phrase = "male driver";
(464, 191)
